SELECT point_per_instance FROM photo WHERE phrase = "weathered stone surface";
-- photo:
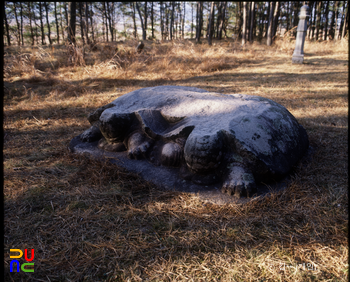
(231, 141)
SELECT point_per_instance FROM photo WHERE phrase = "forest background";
(88, 22)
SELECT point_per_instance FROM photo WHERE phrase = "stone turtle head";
(115, 127)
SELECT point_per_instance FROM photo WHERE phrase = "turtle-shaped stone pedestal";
(207, 139)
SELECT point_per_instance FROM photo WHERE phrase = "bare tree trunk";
(172, 20)
(313, 20)
(81, 22)
(275, 18)
(296, 8)
(224, 25)
(6, 26)
(110, 20)
(259, 21)
(41, 25)
(208, 17)
(87, 22)
(21, 13)
(166, 14)
(30, 22)
(295, 13)
(18, 25)
(336, 30)
(211, 20)
(200, 21)
(218, 19)
(222, 19)
(61, 24)
(192, 21)
(197, 21)
(341, 21)
(103, 25)
(308, 32)
(239, 19)
(269, 30)
(244, 30)
(152, 20)
(286, 14)
(290, 15)
(331, 26)
(255, 19)
(161, 9)
(142, 23)
(65, 7)
(175, 22)
(105, 15)
(92, 24)
(179, 20)
(266, 19)
(57, 29)
(134, 19)
(146, 16)
(248, 22)
(47, 21)
(183, 22)
(36, 26)
(72, 21)
(318, 19)
(113, 21)
(326, 22)
(346, 20)
(252, 18)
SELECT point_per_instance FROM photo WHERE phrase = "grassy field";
(88, 221)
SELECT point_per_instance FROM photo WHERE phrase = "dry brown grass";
(88, 221)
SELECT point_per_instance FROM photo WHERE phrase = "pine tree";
(269, 30)
(72, 21)
(6, 26)
(47, 21)
(57, 29)
(244, 30)
(211, 24)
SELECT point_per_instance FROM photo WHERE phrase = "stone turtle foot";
(138, 145)
(91, 135)
(239, 182)
(111, 147)
(172, 154)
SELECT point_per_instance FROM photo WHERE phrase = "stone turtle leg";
(91, 135)
(203, 155)
(172, 152)
(111, 147)
(239, 181)
(138, 145)
(115, 127)
(203, 152)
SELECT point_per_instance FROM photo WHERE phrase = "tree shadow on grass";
(123, 225)
(103, 85)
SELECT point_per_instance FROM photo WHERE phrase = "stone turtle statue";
(233, 139)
